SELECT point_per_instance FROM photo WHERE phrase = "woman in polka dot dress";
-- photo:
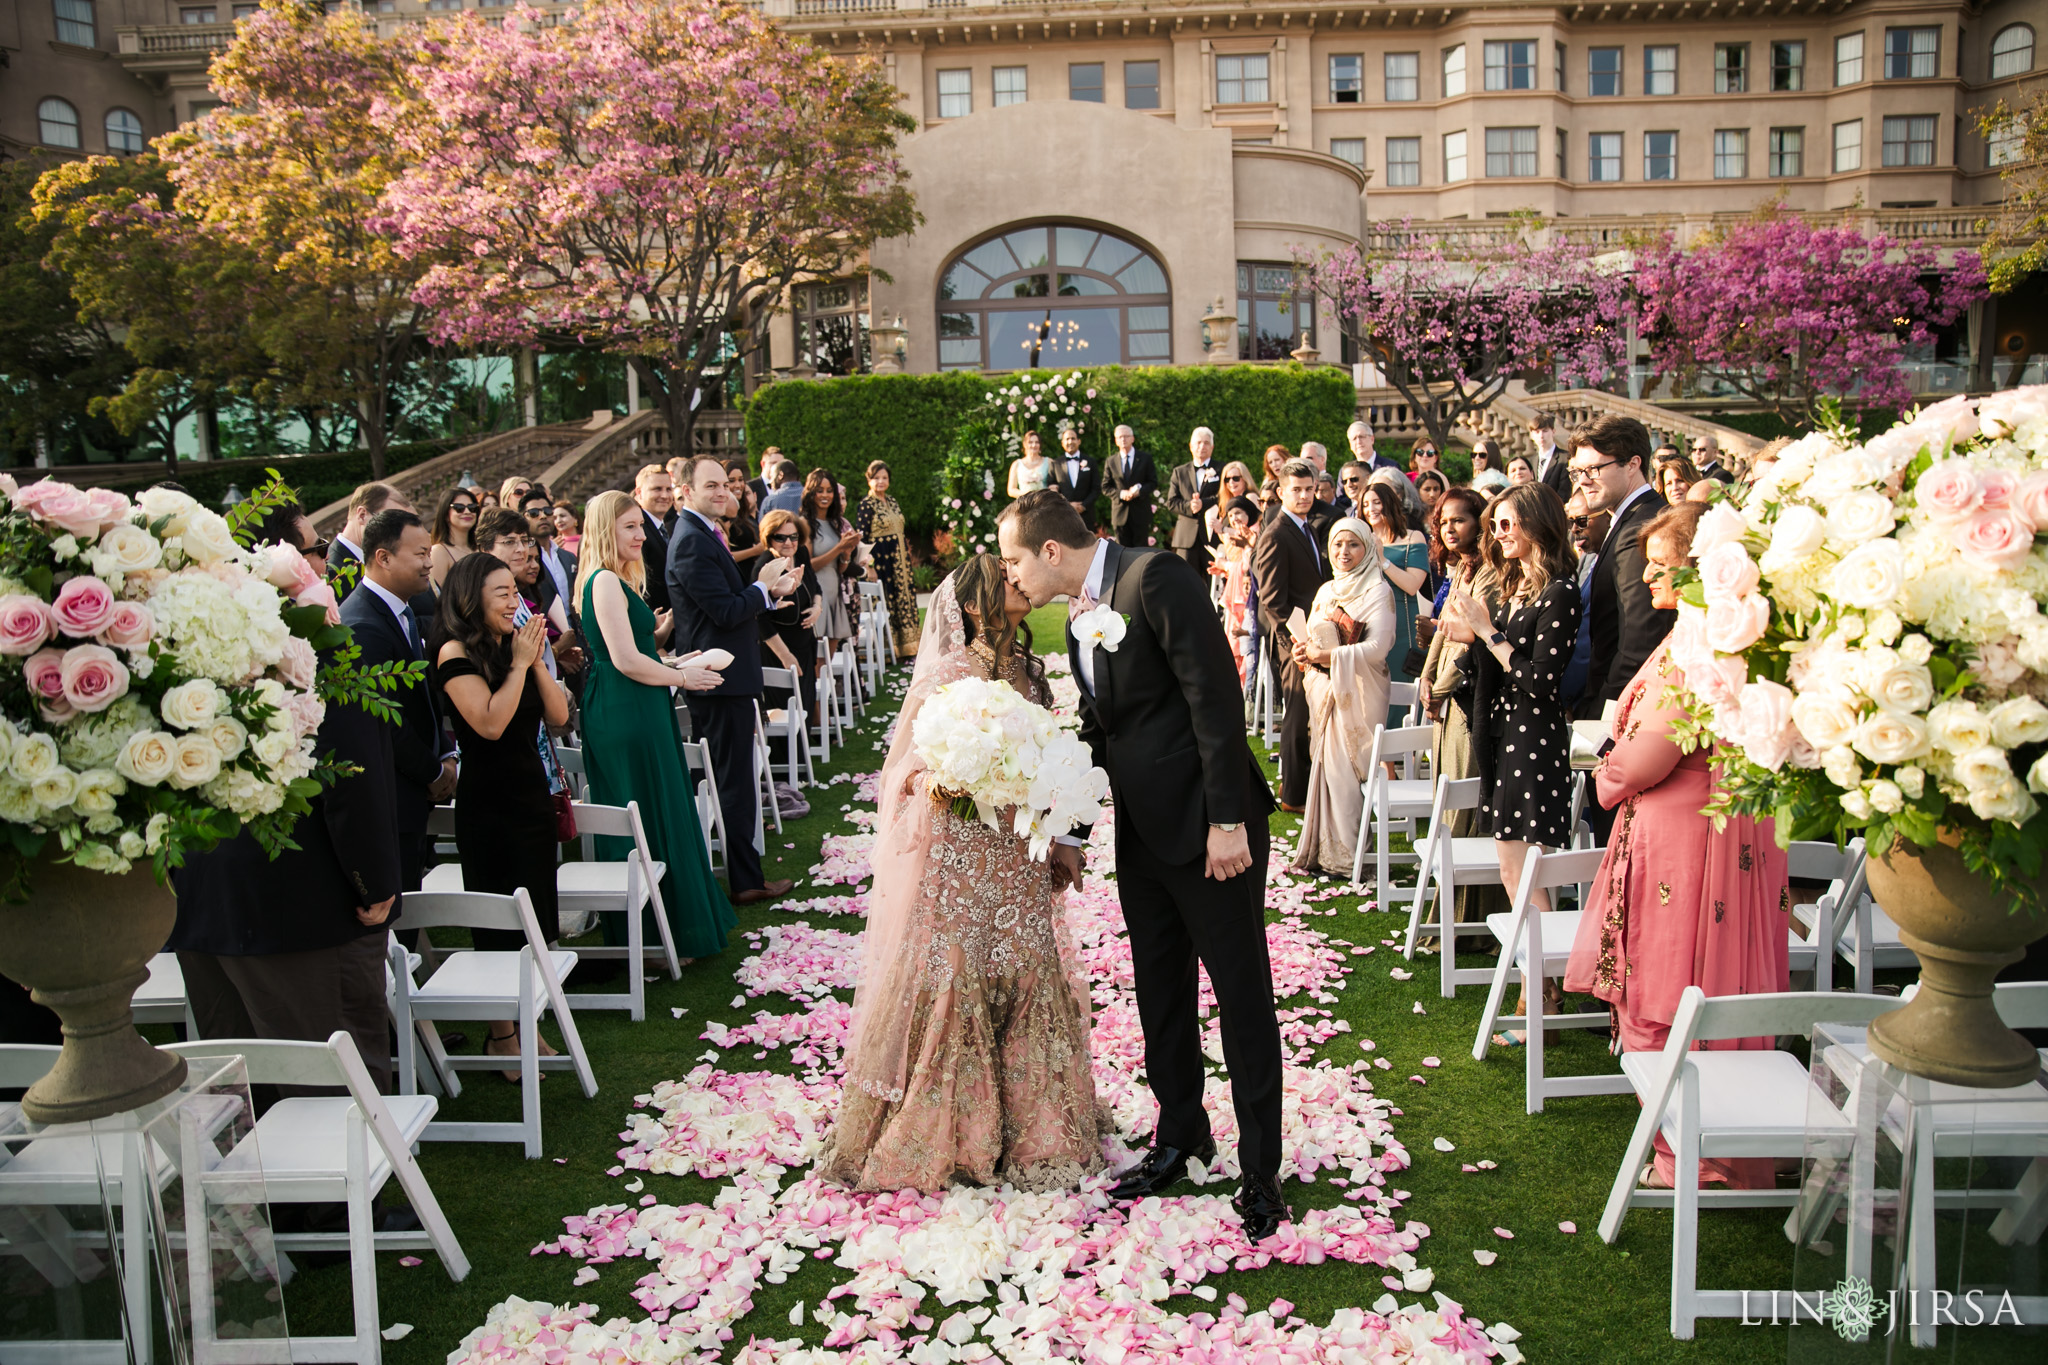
(1523, 749)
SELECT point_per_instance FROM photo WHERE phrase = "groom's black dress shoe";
(1261, 1208)
(1161, 1167)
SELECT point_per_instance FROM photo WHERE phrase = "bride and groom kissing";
(968, 1057)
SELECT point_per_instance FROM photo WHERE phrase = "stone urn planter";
(1964, 934)
(82, 945)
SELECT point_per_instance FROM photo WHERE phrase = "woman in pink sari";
(969, 1056)
(1677, 903)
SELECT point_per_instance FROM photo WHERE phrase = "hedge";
(911, 420)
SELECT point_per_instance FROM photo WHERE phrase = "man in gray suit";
(1192, 492)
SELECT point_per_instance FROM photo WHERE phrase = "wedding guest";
(513, 491)
(835, 552)
(1032, 471)
(1486, 459)
(1130, 481)
(1326, 492)
(453, 533)
(770, 457)
(654, 490)
(1524, 747)
(1680, 900)
(788, 493)
(1233, 564)
(1291, 567)
(743, 524)
(1675, 474)
(1610, 469)
(1490, 482)
(1076, 476)
(787, 631)
(1359, 436)
(1351, 481)
(1423, 460)
(881, 526)
(1344, 675)
(557, 570)
(1192, 490)
(486, 499)
(1412, 506)
(1588, 530)
(1550, 463)
(503, 535)
(1521, 470)
(1430, 488)
(631, 746)
(345, 553)
(1402, 560)
(1469, 562)
(1706, 457)
(568, 528)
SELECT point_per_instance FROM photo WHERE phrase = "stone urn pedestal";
(82, 945)
(1964, 934)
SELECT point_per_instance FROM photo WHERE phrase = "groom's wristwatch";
(1231, 828)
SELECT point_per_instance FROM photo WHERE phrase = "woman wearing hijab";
(1344, 670)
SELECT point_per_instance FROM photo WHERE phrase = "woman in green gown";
(632, 750)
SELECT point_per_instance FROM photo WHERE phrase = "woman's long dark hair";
(835, 510)
(979, 583)
(443, 526)
(461, 618)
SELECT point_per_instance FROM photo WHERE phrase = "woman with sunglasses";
(1422, 460)
(786, 632)
(453, 531)
(1236, 483)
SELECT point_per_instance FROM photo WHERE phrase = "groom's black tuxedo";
(1165, 719)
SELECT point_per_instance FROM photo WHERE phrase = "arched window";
(2012, 51)
(1054, 295)
(124, 133)
(59, 123)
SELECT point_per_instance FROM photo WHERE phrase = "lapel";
(1112, 568)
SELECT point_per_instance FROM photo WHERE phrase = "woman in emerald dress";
(632, 750)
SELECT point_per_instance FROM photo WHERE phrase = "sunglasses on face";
(468, 508)
(1503, 528)
(781, 536)
(318, 547)
(1579, 523)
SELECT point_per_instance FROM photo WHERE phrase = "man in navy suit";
(395, 570)
(715, 608)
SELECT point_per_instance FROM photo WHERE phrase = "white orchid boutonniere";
(1101, 625)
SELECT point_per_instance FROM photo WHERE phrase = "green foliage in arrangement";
(913, 420)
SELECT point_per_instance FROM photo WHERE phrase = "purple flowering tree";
(645, 179)
(1792, 315)
(1449, 332)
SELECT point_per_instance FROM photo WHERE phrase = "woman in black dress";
(786, 631)
(1523, 740)
(497, 694)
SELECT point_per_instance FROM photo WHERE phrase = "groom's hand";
(1065, 861)
(1230, 852)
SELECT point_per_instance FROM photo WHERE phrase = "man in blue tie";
(716, 608)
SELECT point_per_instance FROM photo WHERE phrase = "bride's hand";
(1064, 862)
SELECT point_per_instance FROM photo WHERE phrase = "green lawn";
(1573, 1298)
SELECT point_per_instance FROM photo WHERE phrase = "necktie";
(412, 632)
(1080, 606)
(1313, 553)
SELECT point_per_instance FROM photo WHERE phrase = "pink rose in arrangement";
(1718, 680)
(1997, 541)
(297, 666)
(1763, 723)
(44, 674)
(66, 508)
(290, 572)
(1734, 626)
(83, 607)
(1955, 418)
(1950, 491)
(109, 505)
(26, 625)
(93, 678)
(130, 627)
(2000, 487)
(1727, 573)
(307, 711)
(2031, 501)
(319, 594)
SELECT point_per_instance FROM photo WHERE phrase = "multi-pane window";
(1511, 66)
(1054, 295)
(831, 324)
(1242, 79)
(1731, 154)
(1274, 309)
(1909, 140)
(200, 14)
(1660, 71)
(1788, 66)
(1911, 53)
(1849, 59)
(1009, 82)
(1141, 85)
(1347, 78)
(1562, 164)
(956, 93)
(1788, 151)
(1404, 76)
(58, 123)
(1351, 149)
(1454, 157)
(1849, 146)
(1084, 82)
(1603, 157)
(124, 133)
(74, 22)
(1454, 71)
(1603, 71)
(1660, 156)
(1557, 75)
(2006, 144)
(1404, 161)
(1510, 152)
(1731, 68)
(2012, 51)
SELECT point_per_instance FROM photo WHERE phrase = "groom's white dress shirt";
(1092, 588)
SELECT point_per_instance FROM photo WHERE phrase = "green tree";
(2017, 245)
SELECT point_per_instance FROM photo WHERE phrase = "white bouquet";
(988, 748)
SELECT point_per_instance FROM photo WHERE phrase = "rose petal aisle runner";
(989, 1274)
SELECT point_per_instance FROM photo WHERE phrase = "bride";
(968, 1059)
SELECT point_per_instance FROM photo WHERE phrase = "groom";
(1164, 713)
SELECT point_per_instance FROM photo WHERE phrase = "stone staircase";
(1506, 420)
(492, 460)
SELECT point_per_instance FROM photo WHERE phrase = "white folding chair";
(337, 1149)
(769, 808)
(1447, 863)
(574, 771)
(1864, 935)
(874, 606)
(1265, 705)
(710, 815)
(1393, 804)
(1741, 1103)
(628, 887)
(1535, 945)
(793, 728)
(162, 999)
(1821, 861)
(476, 985)
(1405, 697)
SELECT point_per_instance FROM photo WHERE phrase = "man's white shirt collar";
(1092, 587)
(345, 543)
(397, 604)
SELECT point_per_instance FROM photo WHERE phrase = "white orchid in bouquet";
(160, 681)
(990, 748)
(1864, 637)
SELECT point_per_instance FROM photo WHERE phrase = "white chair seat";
(1752, 1103)
(1408, 796)
(166, 984)
(1474, 854)
(443, 877)
(62, 1167)
(1560, 929)
(301, 1146)
(485, 979)
(606, 880)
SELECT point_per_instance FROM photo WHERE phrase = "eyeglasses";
(318, 547)
(465, 507)
(1503, 527)
(781, 536)
(1585, 473)
(1579, 523)
(1233, 478)
(514, 543)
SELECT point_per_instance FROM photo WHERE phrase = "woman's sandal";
(1510, 1038)
(512, 1077)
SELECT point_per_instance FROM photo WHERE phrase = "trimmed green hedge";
(910, 419)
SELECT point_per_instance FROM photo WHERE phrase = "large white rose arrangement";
(1864, 636)
(989, 748)
(160, 684)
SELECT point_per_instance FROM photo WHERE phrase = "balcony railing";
(173, 40)
(1956, 227)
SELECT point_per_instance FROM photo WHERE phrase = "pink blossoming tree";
(1449, 332)
(645, 179)
(1790, 314)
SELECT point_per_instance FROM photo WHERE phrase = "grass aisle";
(1572, 1298)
